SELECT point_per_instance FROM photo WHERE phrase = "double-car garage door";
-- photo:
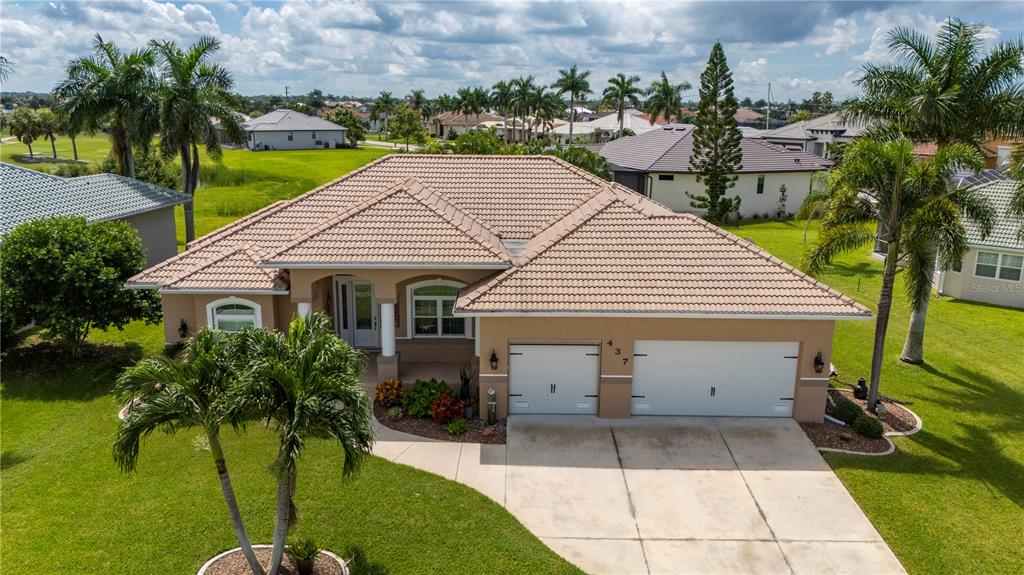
(669, 378)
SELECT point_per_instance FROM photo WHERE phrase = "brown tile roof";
(582, 244)
(458, 119)
(668, 149)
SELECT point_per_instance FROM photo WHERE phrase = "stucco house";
(568, 293)
(657, 165)
(441, 125)
(285, 129)
(28, 195)
(991, 271)
(813, 136)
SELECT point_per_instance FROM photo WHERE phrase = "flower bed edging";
(202, 570)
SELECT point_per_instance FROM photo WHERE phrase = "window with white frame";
(431, 306)
(233, 314)
(999, 266)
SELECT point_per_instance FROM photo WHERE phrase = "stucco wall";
(967, 286)
(673, 193)
(616, 337)
(158, 234)
(301, 139)
(192, 308)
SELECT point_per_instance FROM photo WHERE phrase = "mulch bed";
(235, 564)
(897, 419)
(431, 429)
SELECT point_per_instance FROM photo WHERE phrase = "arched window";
(431, 304)
(233, 314)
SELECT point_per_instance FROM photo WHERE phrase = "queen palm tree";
(665, 99)
(304, 384)
(194, 93)
(944, 91)
(175, 395)
(116, 91)
(523, 90)
(547, 106)
(882, 183)
(501, 99)
(622, 91)
(577, 84)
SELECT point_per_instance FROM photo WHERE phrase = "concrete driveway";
(668, 494)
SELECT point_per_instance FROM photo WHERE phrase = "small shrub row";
(853, 415)
(868, 426)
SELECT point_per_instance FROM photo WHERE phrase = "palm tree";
(446, 103)
(417, 100)
(382, 107)
(481, 101)
(943, 91)
(882, 183)
(465, 105)
(115, 91)
(194, 93)
(578, 85)
(305, 384)
(5, 68)
(174, 395)
(522, 98)
(48, 129)
(547, 106)
(665, 99)
(501, 99)
(65, 127)
(622, 91)
(24, 125)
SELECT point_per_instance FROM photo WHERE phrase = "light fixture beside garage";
(819, 363)
(494, 361)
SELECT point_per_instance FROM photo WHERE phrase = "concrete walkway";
(665, 494)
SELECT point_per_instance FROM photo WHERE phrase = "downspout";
(648, 185)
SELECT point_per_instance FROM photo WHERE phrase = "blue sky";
(360, 47)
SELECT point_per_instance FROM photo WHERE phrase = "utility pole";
(768, 115)
(286, 93)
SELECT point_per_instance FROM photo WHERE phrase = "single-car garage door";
(553, 378)
(744, 378)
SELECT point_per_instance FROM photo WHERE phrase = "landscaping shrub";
(389, 392)
(418, 400)
(304, 553)
(73, 170)
(868, 426)
(447, 408)
(395, 412)
(847, 411)
(457, 427)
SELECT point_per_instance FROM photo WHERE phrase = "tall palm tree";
(304, 384)
(547, 105)
(417, 100)
(174, 395)
(382, 108)
(944, 91)
(577, 84)
(501, 99)
(882, 183)
(481, 101)
(194, 93)
(6, 69)
(67, 127)
(446, 103)
(522, 99)
(116, 91)
(24, 125)
(622, 90)
(49, 128)
(666, 99)
(465, 107)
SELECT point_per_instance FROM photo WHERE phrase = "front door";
(355, 318)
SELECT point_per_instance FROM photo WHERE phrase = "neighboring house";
(442, 124)
(285, 129)
(603, 128)
(814, 135)
(565, 292)
(991, 271)
(749, 116)
(222, 136)
(997, 151)
(29, 195)
(657, 165)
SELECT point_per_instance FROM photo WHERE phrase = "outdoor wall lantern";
(819, 363)
(494, 361)
(183, 329)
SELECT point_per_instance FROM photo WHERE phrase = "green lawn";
(90, 148)
(951, 499)
(67, 509)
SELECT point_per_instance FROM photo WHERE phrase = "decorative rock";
(881, 409)
(845, 437)
(488, 431)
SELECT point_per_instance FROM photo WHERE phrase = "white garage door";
(553, 378)
(743, 378)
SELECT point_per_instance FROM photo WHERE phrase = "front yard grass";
(951, 499)
(67, 509)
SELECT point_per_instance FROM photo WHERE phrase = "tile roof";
(572, 243)
(458, 119)
(1004, 232)
(805, 129)
(668, 149)
(28, 195)
(284, 120)
(622, 253)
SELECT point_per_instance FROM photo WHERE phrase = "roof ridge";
(669, 148)
(754, 248)
(422, 193)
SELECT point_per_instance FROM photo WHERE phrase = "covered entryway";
(553, 378)
(355, 319)
(742, 378)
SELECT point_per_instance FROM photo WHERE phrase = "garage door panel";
(714, 378)
(553, 378)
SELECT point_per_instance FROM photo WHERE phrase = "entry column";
(387, 362)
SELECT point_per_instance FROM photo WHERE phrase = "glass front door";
(355, 317)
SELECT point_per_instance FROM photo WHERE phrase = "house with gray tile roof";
(28, 195)
(814, 135)
(657, 165)
(285, 129)
(992, 270)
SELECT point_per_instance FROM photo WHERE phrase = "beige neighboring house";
(991, 271)
(813, 136)
(656, 164)
(441, 125)
(28, 195)
(567, 293)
